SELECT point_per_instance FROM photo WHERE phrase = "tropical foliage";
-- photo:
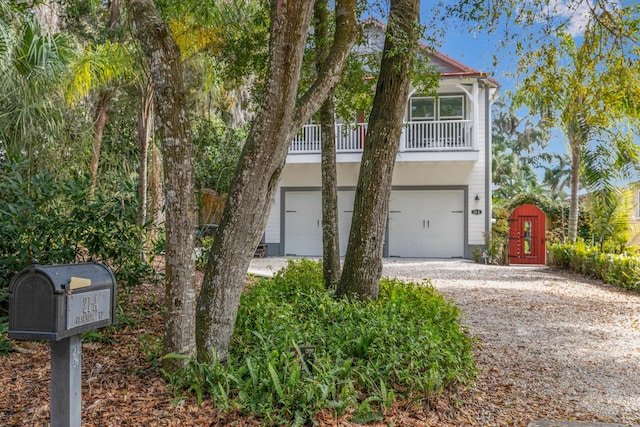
(516, 143)
(608, 215)
(48, 219)
(34, 121)
(299, 350)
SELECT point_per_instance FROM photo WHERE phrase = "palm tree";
(557, 171)
(515, 142)
(609, 212)
(34, 120)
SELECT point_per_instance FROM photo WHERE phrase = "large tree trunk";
(363, 261)
(330, 230)
(262, 160)
(172, 125)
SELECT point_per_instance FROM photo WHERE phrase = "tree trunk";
(577, 131)
(263, 156)
(574, 205)
(50, 14)
(172, 125)
(100, 121)
(100, 115)
(145, 122)
(330, 233)
(330, 229)
(363, 261)
(156, 199)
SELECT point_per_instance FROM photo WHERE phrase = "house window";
(449, 107)
(422, 109)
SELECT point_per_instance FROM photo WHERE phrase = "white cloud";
(576, 13)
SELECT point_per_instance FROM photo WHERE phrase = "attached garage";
(422, 223)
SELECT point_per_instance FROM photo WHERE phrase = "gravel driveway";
(550, 344)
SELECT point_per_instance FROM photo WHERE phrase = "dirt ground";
(549, 346)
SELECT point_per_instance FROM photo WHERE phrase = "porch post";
(476, 115)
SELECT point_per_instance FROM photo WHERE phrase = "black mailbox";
(55, 302)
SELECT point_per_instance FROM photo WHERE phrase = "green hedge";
(616, 269)
(55, 221)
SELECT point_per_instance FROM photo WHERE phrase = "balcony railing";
(445, 135)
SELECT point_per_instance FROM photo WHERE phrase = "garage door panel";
(426, 223)
(303, 223)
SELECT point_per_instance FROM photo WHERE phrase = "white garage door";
(345, 215)
(426, 223)
(303, 222)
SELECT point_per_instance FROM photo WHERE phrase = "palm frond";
(98, 66)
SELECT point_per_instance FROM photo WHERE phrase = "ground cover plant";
(297, 350)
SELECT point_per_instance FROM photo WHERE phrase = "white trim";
(475, 130)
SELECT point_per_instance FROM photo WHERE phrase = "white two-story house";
(440, 204)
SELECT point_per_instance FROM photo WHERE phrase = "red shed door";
(527, 243)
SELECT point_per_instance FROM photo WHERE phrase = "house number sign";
(476, 212)
(88, 307)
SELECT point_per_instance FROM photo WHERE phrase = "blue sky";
(479, 48)
(476, 47)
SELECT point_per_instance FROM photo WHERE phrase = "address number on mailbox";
(88, 307)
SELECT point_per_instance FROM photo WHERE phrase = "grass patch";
(407, 344)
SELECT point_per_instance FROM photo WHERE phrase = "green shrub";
(616, 269)
(409, 343)
(202, 251)
(55, 221)
(498, 240)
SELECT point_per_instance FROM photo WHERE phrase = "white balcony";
(418, 136)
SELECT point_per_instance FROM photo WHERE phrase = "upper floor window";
(447, 107)
(422, 109)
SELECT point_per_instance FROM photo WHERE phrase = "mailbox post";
(58, 303)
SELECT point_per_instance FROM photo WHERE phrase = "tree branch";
(347, 32)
